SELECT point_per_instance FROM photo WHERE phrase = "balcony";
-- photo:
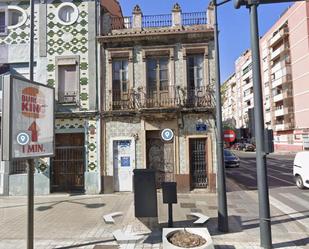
(68, 98)
(280, 126)
(171, 97)
(278, 51)
(281, 111)
(281, 33)
(278, 97)
(284, 79)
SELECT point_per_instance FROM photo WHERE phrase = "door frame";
(69, 131)
(208, 154)
(111, 162)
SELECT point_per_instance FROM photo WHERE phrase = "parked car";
(230, 159)
(301, 169)
(248, 147)
(237, 146)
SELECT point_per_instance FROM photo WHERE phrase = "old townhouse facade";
(66, 58)
(157, 108)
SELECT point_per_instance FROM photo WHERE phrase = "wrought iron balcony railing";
(169, 97)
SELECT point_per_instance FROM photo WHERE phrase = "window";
(195, 71)
(12, 17)
(120, 78)
(15, 17)
(2, 22)
(157, 75)
(67, 84)
(67, 13)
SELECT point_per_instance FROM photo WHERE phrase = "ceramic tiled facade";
(54, 40)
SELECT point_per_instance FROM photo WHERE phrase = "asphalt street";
(282, 189)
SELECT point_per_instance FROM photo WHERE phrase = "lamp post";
(223, 225)
(262, 182)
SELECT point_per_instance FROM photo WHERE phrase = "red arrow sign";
(34, 132)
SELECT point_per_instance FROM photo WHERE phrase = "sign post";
(27, 109)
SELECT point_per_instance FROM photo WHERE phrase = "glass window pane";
(199, 60)
(125, 64)
(191, 61)
(125, 76)
(2, 22)
(199, 73)
(163, 75)
(151, 64)
(163, 63)
(124, 87)
(116, 65)
(164, 85)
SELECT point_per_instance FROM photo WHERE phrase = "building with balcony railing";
(284, 59)
(229, 101)
(158, 74)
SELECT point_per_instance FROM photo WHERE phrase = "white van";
(301, 169)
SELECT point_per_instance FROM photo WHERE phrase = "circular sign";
(23, 138)
(167, 134)
(229, 136)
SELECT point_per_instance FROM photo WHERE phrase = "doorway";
(123, 164)
(67, 171)
(160, 157)
(198, 162)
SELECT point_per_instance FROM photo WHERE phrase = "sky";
(234, 36)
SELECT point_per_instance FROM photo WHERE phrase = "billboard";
(27, 119)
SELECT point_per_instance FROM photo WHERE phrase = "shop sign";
(27, 119)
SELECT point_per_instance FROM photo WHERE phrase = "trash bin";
(145, 193)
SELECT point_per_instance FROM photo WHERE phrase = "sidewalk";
(63, 221)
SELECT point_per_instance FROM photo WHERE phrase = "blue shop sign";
(201, 127)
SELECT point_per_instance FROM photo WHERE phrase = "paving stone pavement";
(64, 221)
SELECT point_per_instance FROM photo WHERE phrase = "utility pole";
(262, 181)
(223, 225)
(30, 206)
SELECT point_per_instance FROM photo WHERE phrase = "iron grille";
(198, 163)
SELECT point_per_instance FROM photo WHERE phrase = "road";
(284, 194)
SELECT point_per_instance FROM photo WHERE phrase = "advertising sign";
(27, 119)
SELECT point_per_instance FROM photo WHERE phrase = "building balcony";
(278, 97)
(284, 79)
(282, 49)
(283, 126)
(169, 98)
(68, 98)
(276, 38)
(248, 97)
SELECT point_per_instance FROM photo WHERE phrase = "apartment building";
(284, 59)
(229, 101)
(244, 89)
(285, 56)
(158, 75)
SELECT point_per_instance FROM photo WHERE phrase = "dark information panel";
(145, 193)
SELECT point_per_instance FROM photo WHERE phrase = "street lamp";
(223, 225)
(262, 182)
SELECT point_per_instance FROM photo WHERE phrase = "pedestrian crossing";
(294, 206)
